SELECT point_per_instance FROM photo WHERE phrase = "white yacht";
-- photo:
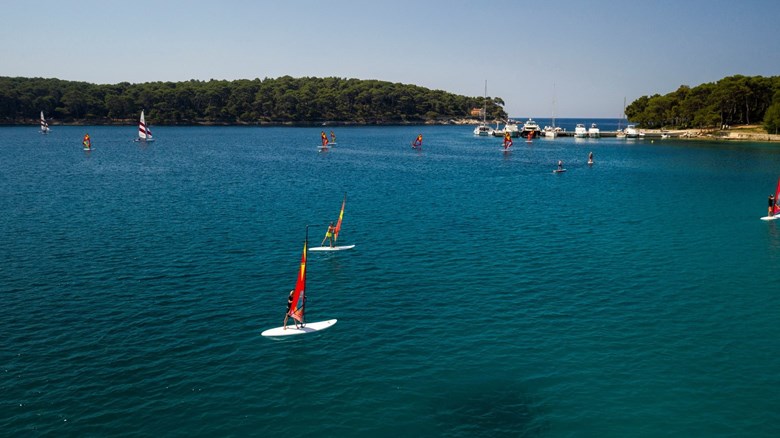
(594, 132)
(511, 127)
(631, 131)
(483, 129)
(580, 131)
(531, 127)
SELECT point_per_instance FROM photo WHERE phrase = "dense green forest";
(267, 101)
(734, 100)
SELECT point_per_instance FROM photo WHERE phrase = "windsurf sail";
(776, 207)
(341, 217)
(44, 124)
(324, 139)
(87, 142)
(144, 133)
(299, 293)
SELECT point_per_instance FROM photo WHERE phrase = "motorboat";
(594, 132)
(531, 127)
(580, 131)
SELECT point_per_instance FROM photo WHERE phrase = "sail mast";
(299, 293)
(341, 217)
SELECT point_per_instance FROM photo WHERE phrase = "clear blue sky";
(592, 53)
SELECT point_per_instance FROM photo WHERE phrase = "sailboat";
(335, 232)
(620, 132)
(775, 208)
(44, 125)
(144, 133)
(297, 306)
(483, 128)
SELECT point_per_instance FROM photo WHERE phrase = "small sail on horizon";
(144, 133)
(44, 125)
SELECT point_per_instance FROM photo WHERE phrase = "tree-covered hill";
(267, 101)
(734, 100)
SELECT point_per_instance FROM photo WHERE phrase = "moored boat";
(530, 127)
(580, 131)
(594, 131)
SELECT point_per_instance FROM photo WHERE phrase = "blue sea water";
(486, 296)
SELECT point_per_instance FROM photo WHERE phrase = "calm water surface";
(485, 296)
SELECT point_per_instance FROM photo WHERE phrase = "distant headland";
(281, 101)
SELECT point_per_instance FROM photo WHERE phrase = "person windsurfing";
(590, 158)
(329, 235)
(332, 137)
(324, 139)
(87, 142)
(417, 142)
(507, 140)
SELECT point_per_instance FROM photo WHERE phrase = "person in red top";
(324, 139)
(507, 140)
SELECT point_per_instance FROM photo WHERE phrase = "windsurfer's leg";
(285, 321)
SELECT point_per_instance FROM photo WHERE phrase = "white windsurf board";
(310, 327)
(770, 218)
(331, 248)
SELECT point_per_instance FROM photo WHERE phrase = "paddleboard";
(331, 248)
(770, 218)
(310, 327)
(559, 171)
(88, 149)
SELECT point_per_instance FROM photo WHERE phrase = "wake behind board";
(310, 327)
(331, 248)
(770, 218)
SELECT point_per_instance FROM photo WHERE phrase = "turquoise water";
(486, 296)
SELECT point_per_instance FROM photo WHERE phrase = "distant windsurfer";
(329, 235)
(590, 158)
(324, 139)
(332, 137)
(87, 142)
(772, 202)
(289, 307)
(417, 142)
(560, 166)
(507, 140)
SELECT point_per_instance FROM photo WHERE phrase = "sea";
(485, 296)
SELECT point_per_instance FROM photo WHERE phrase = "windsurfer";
(590, 158)
(287, 314)
(772, 202)
(332, 137)
(417, 142)
(324, 139)
(329, 235)
(507, 140)
(560, 165)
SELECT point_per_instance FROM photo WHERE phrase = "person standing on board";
(329, 235)
(772, 202)
(560, 166)
(324, 139)
(507, 140)
(332, 137)
(590, 158)
(287, 314)
(417, 142)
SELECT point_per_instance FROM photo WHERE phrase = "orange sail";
(299, 293)
(341, 217)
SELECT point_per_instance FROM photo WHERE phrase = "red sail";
(299, 293)
(776, 208)
(341, 217)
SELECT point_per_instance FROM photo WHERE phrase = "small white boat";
(580, 131)
(44, 125)
(483, 129)
(511, 127)
(631, 132)
(594, 131)
(144, 133)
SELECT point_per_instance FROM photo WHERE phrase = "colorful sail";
(44, 124)
(776, 207)
(299, 293)
(87, 142)
(144, 133)
(341, 217)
